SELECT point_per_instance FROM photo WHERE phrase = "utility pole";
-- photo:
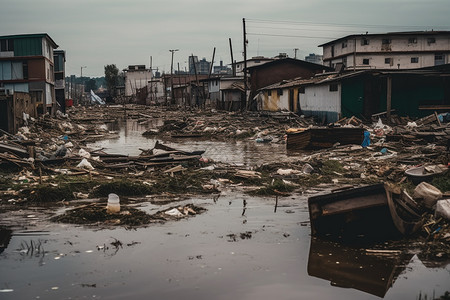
(151, 80)
(295, 53)
(172, 100)
(197, 82)
(212, 63)
(244, 100)
(233, 66)
(81, 86)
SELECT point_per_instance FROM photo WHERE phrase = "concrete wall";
(136, 80)
(319, 101)
(401, 50)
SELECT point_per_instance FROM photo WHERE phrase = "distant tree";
(91, 84)
(111, 78)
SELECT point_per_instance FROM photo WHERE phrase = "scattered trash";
(428, 193)
(174, 212)
(443, 209)
(85, 164)
(113, 205)
(366, 141)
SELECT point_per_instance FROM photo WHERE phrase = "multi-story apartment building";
(26, 65)
(59, 58)
(314, 58)
(200, 66)
(396, 50)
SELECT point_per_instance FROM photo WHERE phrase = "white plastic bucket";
(113, 205)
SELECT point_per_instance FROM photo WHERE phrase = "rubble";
(49, 161)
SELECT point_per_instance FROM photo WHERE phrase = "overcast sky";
(95, 33)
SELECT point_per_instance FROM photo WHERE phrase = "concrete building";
(314, 58)
(136, 78)
(59, 58)
(396, 50)
(332, 96)
(200, 66)
(254, 61)
(222, 70)
(26, 65)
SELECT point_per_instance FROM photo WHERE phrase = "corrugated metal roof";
(443, 70)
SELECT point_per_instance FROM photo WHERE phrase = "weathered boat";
(355, 211)
(405, 212)
(376, 210)
(323, 137)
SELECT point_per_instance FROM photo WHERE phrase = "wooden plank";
(356, 203)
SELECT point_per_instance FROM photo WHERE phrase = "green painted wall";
(28, 46)
(352, 96)
(408, 93)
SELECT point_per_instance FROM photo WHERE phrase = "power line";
(306, 29)
(296, 36)
(340, 24)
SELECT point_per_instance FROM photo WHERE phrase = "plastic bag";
(429, 193)
(84, 164)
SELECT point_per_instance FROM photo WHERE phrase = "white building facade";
(401, 50)
(136, 78)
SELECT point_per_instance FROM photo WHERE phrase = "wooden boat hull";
(317, 138)
(357, 211)
(405, 216)
(377, 210)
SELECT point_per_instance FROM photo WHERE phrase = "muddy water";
(228, 252)
(247, 152)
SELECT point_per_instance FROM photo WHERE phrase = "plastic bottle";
(113, 205)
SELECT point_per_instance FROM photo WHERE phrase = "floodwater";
(242, 153)
(231, 251)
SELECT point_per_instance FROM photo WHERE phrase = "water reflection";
(347, 267)
(5, 237)
(245, 153)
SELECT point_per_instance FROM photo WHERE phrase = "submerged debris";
(96, 214)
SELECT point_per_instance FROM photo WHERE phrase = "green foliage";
(276, 188)
(48, 193)
(90, 85)
(442, 182)
(122, 188)
(329, 167)
(111, 78)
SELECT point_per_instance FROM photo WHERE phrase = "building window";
(7, 45)
(25, 70)
(412, 40)
(388, 61)
(439, 59)
(364, 42)
(269, 93)
(344, 44)
(385, 41)
(414, 60)
(333, 87)
(280, 92)
(365, 61)
(431, 40)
